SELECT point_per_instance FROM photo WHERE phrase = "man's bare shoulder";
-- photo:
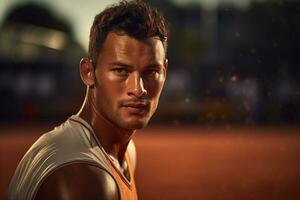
(79, 181)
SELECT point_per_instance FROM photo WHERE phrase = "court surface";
(211, 163)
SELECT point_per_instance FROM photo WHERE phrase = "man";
(91, 155)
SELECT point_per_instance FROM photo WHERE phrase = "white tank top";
(71, 142)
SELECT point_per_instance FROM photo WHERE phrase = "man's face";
(129, 78)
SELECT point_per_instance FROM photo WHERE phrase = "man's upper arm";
(79, 181)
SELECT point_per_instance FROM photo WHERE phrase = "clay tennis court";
(195, 163)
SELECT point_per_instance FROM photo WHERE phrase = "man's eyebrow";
(154, 65)
(121, 64)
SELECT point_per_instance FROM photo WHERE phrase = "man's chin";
(135, 124)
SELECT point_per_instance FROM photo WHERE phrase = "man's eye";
(152, 72)
(121, 71)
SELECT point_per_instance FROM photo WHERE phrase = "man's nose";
(136, 85)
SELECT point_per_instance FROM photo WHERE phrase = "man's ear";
(166, 64)
(87, 72)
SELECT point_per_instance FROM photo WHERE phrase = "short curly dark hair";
(136, 19)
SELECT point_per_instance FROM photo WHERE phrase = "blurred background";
(228, 122)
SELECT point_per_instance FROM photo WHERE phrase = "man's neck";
(113, 139)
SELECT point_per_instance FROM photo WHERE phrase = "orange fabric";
(127, 190)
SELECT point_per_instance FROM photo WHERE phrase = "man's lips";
(137, 107)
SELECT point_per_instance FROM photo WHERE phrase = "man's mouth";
(137, 107)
